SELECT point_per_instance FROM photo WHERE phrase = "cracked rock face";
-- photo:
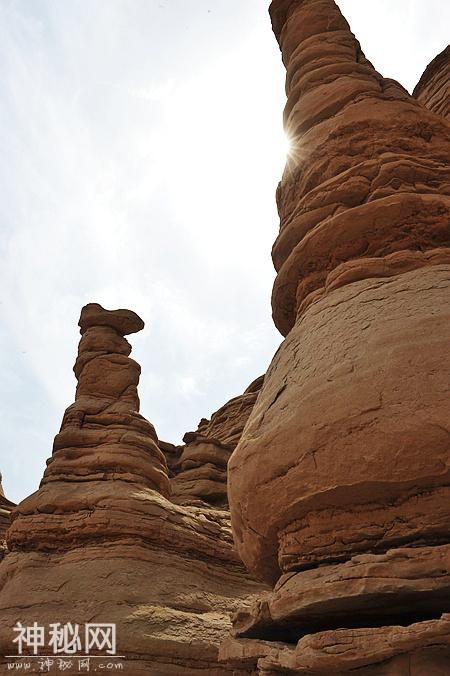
(346, 453)
(101, 541)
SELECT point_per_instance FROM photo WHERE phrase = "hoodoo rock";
(100, 541)
(339, 486)
(337, 460)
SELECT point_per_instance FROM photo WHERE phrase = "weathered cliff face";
(198, 470)
(5, 518)
(338, 488)
(433, 88)
(100, 541)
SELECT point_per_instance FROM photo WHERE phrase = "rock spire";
(101, 541)
(338, 487)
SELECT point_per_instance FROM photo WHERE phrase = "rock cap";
(122, 321)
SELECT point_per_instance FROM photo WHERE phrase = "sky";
(141, 148)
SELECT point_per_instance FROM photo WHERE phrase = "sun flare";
(287, 146)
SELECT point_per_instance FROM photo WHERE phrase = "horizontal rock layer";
(101, 539)
(339, 486)
(420, 649)
(413, 583)
(339, 443)
(198, 470)
(367, 174)
(166, 575)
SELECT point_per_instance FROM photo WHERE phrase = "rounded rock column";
(347, 450)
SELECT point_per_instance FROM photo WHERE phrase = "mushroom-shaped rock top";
(123, 321)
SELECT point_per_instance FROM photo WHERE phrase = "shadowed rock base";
(421, 649)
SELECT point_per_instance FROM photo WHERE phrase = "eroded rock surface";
(339, 470)
(198, 470)
(433, 88)
(100, 541)
(340, 479)
(420, 649)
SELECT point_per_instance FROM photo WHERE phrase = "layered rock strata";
(421, 649)
(433, 88)
(100, 541)
(339, 486)
(198, 470)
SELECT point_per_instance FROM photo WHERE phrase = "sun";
(287, 146)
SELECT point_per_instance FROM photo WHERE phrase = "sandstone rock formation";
(5, 518)
(339, 486)
(100, 541)
(433, 88)
(198, 470)
(337, 460)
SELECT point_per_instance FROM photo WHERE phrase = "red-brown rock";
(101, 541)
(198, 470)
(433, 88)
(344, 463)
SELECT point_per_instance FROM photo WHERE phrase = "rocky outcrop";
(422, 648)
(433, 88)
(338, 460)
(198, 470)
(339, 486)
(5, 518)
(101, 541)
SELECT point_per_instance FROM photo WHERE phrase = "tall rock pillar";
(339, 487)
(101, 542)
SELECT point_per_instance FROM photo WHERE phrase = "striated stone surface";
(339, 486)
(410, 582)
(100, 541)
(226, 424)
(237, 652)
(433, 88)
(420, 649)
(339, 442)
(368, 171)
(198, 470)
(338, 459)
